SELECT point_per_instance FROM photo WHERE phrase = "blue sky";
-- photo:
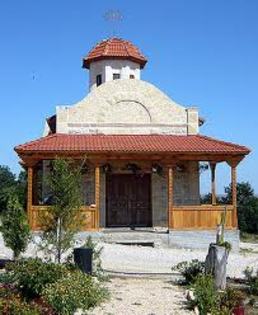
(201, 53)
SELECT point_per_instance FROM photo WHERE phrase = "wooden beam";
(213, 183)
(97, 195)
(30, 196)
(168, 158)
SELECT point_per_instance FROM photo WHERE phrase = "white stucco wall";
(108, 67)
(127, 107)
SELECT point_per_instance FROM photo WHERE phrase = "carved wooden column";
(170, 195)
(233, 164)
(30, 195)
(97, 195)
(234, 194)
(213, 183)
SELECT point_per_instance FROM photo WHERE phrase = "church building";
(143, 152)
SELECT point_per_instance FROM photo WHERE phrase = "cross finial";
(114, 17)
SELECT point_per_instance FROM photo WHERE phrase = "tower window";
(98, 79)
(132, 76)
(116, 76)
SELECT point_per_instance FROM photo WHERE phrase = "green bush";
(229, 299)
(205, 294)
(76, 291)
(32, 275)
(210, 301)
(190, 270)
(96, 259)
(252, 279)
(17, 307)
(11, 302)
(15, 227)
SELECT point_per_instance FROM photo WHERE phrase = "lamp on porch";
(157, 169)
(107, 168)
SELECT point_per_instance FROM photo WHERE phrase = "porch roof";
(173, 144)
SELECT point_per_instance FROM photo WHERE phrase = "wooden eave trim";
(163, 158)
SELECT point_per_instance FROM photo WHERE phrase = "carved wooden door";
(128, 200)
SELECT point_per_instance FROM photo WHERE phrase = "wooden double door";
(128, 200)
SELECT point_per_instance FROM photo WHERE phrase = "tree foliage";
(10, 185)
(63, 219)
(247, 203)
(15, 228)
(247, 206)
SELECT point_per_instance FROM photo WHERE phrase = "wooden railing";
(200, 216)
(89, 217)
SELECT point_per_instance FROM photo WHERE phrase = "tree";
(9, 185)
(63, 219)
(7, 182)
(15, 227)
(247, 206)
(21, 186)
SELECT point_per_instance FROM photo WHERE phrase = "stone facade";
(127, 107)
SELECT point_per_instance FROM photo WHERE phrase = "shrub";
(15, 228)
(190, 270)
(205, 294)
(6, 278)
(32, 275)
(76, 291)
(12, 303)
(252, 279)
(96, 253)
(229, 299)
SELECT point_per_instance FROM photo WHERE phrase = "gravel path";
(122, 258)
(143, 297)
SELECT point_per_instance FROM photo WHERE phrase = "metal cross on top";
(114, 17)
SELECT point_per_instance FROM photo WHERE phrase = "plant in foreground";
(190, 269)
(205, 294)
(252, 280)
(15, 228)
(76, 291)
(64, 218)
(32, 275)
(96, 253)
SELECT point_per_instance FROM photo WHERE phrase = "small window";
(98, 79)
(116, 76)
(132, 76)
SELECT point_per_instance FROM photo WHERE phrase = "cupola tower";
(113, 59)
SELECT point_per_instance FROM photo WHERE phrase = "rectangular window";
(131, 76)
(116, 76)
(98, 79)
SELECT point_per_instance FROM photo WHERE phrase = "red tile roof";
(195, 144)
(114, 48)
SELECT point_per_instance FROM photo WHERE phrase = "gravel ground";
(123, 258)
(143, 297)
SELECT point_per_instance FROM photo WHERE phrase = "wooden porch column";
(234, 194)
(170, 195)
(30, 195)
(233, 164)
(97, 195)
(213, 183)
